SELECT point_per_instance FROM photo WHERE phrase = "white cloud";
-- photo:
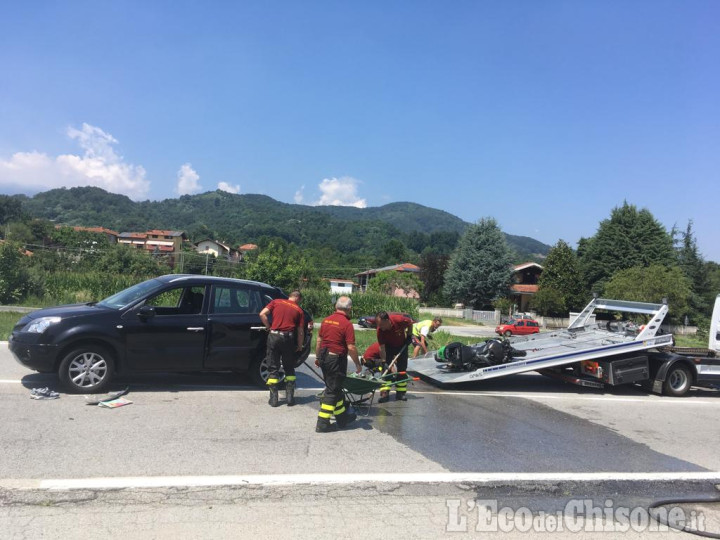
(99, 165)
(299, 196)
(340, 192)
(187, 180)
(224, 186)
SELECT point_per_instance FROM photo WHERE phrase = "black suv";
(170, 323)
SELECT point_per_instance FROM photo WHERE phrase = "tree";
(281, 265)
(628, 239)
(10, 209)
(14, 278)
(394, 252)
(561, 274)
(19, 232)
(389, 282)
(693, 266)
(479, 269)
(549, 301)
(652, 284)
(122, 259)
(712, 271)
(432, 274)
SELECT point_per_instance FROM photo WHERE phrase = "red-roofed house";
(525, 277)
(133, 239)
(164, 239)
(364, 277)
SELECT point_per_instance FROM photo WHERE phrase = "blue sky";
(542, 114)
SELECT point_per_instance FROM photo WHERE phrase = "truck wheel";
(259, 370)
(87, 370)
(507, 333)
(678, 381)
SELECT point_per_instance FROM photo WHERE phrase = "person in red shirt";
(285, 339)
(394, 334)
(371, 358)
(336, 340)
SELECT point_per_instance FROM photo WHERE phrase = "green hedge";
(321, 303)
(73, 287)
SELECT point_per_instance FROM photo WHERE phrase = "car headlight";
(38, 326)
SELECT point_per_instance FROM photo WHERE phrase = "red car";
(518, 327)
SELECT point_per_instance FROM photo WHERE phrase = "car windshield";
(128, 296)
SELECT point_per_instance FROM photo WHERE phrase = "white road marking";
(656, 400)
(577, 397)
(328, 479)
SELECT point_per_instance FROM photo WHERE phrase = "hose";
(667, 502)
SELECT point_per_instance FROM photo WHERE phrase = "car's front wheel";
(87, 370)
(507, 333)
(259, 371)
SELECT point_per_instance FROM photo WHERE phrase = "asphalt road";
(204, 456)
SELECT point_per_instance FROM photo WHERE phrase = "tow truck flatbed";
(582, 340)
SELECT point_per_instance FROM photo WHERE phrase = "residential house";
(164, 241)
(525, 278)
(341, 286)
(154, 241)
(365, 277)
(132, 239)
(217, 249)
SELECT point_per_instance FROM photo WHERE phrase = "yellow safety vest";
(418, 326)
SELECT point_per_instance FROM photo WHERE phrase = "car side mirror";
(146, 312)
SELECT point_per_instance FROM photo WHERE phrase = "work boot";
(345, 419)
(400, 396)
(273, 401)
(384, 396)
(290, 392)
(324, 426)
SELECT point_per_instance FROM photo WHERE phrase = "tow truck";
(587, 353)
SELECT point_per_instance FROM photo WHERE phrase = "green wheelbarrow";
(359, 390)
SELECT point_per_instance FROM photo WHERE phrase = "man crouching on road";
(336, 339)
(285, 339)
(394, 334)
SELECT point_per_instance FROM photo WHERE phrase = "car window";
(130, 295)
(234, 299)
(178, 301)
(519, 323)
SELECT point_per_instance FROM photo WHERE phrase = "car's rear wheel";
(87, 370)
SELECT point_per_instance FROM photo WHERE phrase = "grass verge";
(8, 319)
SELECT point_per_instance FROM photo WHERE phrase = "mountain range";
(236, 219)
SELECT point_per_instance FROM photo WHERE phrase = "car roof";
(195, 278)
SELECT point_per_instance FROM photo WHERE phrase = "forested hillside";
(237, 219)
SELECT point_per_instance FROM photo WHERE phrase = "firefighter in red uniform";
(371, 358)
(285, 339)
(336, 339)
(394, 334)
